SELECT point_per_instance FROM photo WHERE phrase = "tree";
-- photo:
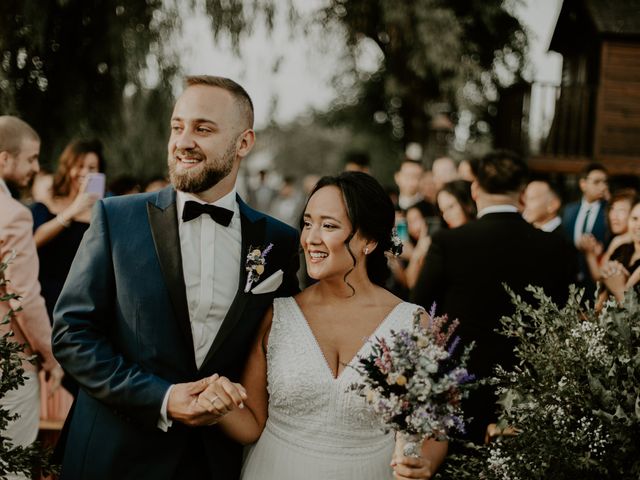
(437, 58)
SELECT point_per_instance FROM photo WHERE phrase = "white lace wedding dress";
(317, 429)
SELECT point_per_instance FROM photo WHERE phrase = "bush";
(14, 459)
(574, 396)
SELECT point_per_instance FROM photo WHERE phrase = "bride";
(294, 396)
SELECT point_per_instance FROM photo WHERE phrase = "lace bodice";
(307, 405)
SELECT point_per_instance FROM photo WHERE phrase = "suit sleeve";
(33, 319)
(429, 287)
(83, 318)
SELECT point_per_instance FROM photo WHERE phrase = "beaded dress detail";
(318, 429)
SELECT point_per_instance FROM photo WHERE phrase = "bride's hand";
(406, 468)
(222, 396)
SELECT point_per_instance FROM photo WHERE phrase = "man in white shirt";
(588, 216)
(162, 295)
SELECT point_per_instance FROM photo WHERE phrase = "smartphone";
(96, 184)
(403, 232)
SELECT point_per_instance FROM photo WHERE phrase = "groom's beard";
(204, 176)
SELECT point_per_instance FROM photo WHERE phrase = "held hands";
(222, 396)
(219, 397)
(590, 245)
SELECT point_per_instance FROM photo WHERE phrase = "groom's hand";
(183, 405)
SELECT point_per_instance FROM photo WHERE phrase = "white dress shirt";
(551, 225)
(506, 208)
(4, 188)
(580, 228)
(211, 267)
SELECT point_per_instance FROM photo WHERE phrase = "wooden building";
(596, 116)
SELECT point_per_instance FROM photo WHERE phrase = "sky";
(306, 66)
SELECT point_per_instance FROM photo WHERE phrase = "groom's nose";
(185, 140)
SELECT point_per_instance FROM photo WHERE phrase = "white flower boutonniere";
(255, 265)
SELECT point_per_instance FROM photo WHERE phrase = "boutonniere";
(255, 265)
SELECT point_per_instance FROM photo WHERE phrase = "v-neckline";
(356, 355)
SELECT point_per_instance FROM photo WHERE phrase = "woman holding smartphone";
(60, 223)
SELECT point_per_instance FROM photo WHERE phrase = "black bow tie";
(194, 210)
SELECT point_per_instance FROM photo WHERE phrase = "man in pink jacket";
(19, 150)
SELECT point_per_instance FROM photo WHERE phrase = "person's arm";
(416, 262)
(49, 230)
(33, 319)
(430, 284)
(244, 424)
(615, 277)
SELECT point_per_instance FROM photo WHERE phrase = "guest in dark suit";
(162, 295)
(588, 216)
(466, 268)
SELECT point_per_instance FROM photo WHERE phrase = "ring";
(213, 399)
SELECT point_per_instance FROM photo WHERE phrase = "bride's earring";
(366, 250)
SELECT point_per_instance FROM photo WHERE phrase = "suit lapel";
(163, 220)
(253, 235)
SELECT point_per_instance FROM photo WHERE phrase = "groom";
(161, 295)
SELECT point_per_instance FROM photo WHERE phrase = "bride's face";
(325, 229)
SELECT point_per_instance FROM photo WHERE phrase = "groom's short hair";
(242, 98)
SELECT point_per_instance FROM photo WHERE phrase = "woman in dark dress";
(622, 271)
(60, 223)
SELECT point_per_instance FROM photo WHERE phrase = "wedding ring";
(213, 399)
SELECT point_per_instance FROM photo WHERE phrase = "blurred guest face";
(203, 146)
(451, 210)
(594, 186)
(415, 223)
(89, 163)
(634, 223)
(408, 178)
(326, 227)
(540, 205)
(619, 216)
(444, 170)
(19, 169)
(428, 187)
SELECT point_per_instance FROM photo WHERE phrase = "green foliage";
(575, 396)
(439, 58)
(14, 459)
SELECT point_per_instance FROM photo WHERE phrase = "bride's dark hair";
(370, 212)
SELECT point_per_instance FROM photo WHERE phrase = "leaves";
(575, 395)
(14, 459)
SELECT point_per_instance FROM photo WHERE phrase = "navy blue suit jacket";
(122, 331)
(600, 231)
(570, 215)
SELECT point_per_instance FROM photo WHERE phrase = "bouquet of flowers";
(413, 382)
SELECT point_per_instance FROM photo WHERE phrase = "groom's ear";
(245, 142)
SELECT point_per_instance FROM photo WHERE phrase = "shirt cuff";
(164, 422)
